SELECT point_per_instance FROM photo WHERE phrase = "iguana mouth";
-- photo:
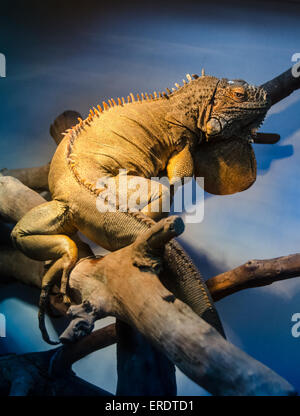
(216, 129)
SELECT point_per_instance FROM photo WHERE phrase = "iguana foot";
(68, 261)
(65, 280)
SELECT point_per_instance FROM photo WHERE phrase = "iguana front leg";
(43, 234)
(180, 165)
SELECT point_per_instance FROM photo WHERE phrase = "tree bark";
(154, 375)
(282, 86)
(35, 178)
(114, 285)
(254, 273)
(28, 374)
(16, 199)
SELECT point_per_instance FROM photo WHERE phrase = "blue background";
(72, 57)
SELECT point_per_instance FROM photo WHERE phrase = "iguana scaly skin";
(149, 136)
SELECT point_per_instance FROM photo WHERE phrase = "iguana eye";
(239, 93)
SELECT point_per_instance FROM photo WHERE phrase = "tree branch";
(282, 86)
(114, 285)
(28, 374)
(35, 178)
(15, 264)
(254, 273)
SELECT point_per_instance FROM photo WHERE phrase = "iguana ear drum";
(228, 166)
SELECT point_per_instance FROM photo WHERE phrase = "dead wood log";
(35, 177)
(16, 199)
(139, 299)
(28, 374)
(254, 273)
(64, 121)
(30, 272)
(125, 284)
(131, 346)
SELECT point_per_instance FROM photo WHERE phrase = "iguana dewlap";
(148, 137)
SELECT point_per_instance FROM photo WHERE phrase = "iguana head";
(233, 109)
(226, 113)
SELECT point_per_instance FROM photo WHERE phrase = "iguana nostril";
(213, 127)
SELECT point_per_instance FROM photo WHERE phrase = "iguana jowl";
(149, 136)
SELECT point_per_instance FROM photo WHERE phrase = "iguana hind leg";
(42, 234)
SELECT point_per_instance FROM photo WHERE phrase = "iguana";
(174, 133)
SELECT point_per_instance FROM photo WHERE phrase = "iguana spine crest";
(131, 99)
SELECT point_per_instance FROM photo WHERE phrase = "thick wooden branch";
(14, 264)
(114, 285)
(16, 199)
(140, 299)
(254, 273)
(103, 337)
(283, 85)
(131, 346)
(35, 178)
(64, 121)
(28, 374)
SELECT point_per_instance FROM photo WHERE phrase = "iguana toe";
(66, 300)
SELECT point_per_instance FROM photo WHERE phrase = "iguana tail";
(43, 307)
(183, 278)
